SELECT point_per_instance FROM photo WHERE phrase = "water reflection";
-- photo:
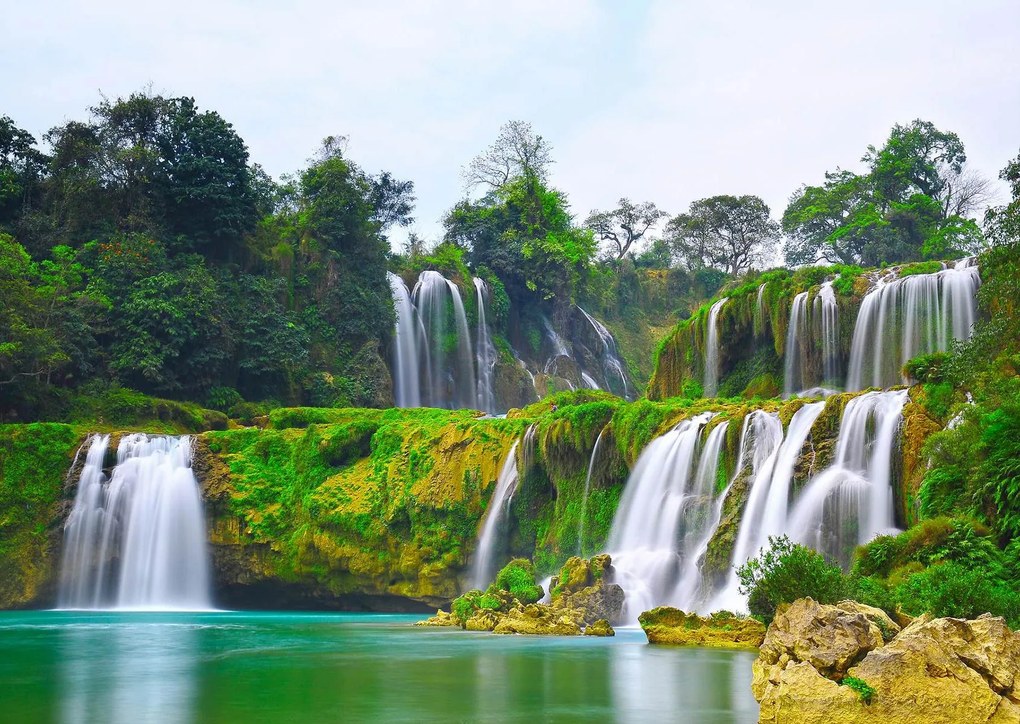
(117, 667)
(128, 673)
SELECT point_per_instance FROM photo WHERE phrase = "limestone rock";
(582, 586)
(877, 616)
(666, 625)
(442, 618)
(483, 620)
(537, 619)
(938, 671)
(599, 628)
(827, 637)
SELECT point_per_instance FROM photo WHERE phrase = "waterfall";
(825, 321)
(406, 388)
(587, 489)
(711, 382)
(768, 503)
(612, 365)
(662, 493)
(852, 501)
(453, 386)
(485, 353)
(137, 539)
(796, 339)
(902, 318)
(495, 522)
(700, 523)
(759, 312)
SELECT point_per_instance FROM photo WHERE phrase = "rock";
(938, 671)
(827, 637)
(666, 625)
(442, 618)
(537, 619)
(582, 586)
(877, 616)
(483, 620)
(599, 628)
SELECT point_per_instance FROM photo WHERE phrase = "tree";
(22, 167)
(913, 203)
(1002, 223)
(624, 225)
(517, 152)
(732, 233)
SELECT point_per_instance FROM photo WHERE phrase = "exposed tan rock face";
(666, 625)
(599, 628)
(935, 671)
(582, 586)
(536, 619)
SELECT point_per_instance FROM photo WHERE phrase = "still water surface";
(60, 666)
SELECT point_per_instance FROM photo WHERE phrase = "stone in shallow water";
(538, 619)
(667, 625)
(442, 618)
(599, 628)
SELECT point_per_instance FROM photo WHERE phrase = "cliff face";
(380, 509)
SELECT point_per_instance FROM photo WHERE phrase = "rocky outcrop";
(830, 664)
(666, 625)
(582, 586)
(537, 619)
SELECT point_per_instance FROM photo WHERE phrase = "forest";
(144, 251)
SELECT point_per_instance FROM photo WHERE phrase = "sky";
(657, 100)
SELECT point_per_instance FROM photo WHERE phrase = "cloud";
(659, 100)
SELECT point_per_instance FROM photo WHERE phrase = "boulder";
(582, 586)
(599, 628)
(666, 625)
(537, 619)
(934, 670)
(828, 638)
(483, 620)
(442, 618)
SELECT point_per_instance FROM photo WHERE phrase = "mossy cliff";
(361, 508)
(752, 334)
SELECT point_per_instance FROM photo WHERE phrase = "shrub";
(785, 572)
(518, 579)
(927, 367)
(952, 589)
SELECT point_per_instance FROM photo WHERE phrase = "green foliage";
(785, 572)
(518, 579)
(921, 267)
(959, 591)
(864, 690)
(927, 367)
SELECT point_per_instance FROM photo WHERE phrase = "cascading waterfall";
(852, 501)
(612, 365)
(587, 490)
(494, 525)
(700, 523)
(768, 504)
(825, 321)
(136, 539)
(406, 373)
(711, 378)
(661, 492)
(447, 385)
(811, 357)
(485, 353)
(902, 318)
(759, 312)
(796, 339)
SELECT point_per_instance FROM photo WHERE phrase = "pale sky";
(656, 100)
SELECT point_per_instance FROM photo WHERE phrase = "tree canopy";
(731, 233)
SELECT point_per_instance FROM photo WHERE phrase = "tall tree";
(624, 225)
(22, 167)
(732, 233)
(517, 152)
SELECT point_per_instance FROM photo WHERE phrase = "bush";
(518, 579)
(785, 572)
(927, 367)
(952, 589)
(863, 688)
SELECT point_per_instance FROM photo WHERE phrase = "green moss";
(864, 690)
(34, 461)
